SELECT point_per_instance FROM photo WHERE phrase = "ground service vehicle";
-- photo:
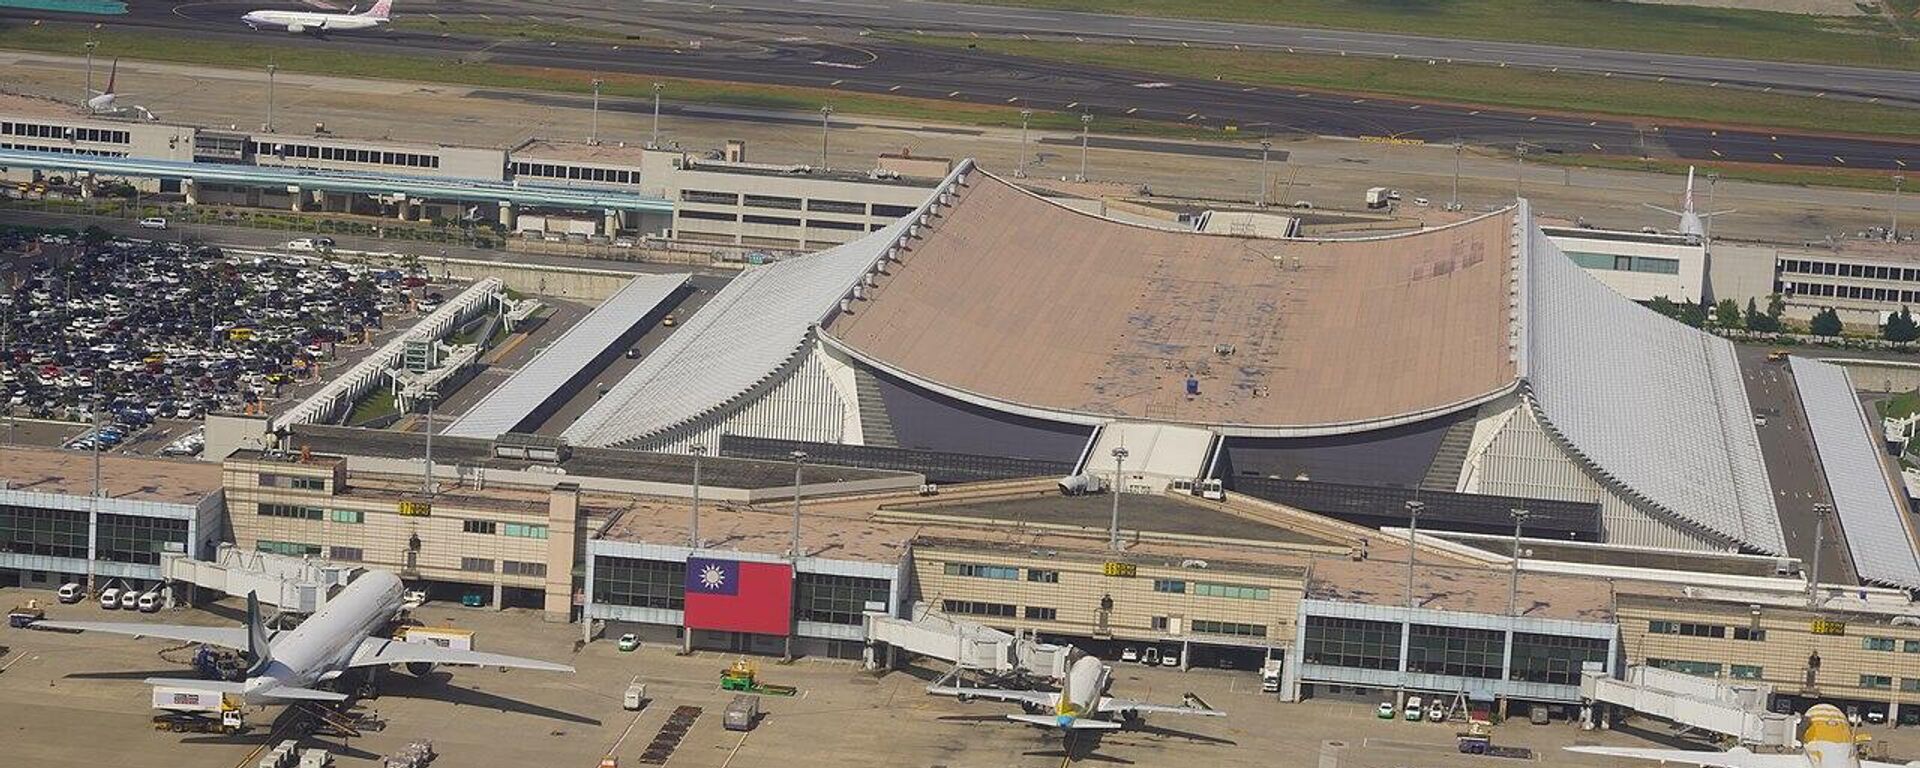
(742, 713)
(1378, 197)
(25, 615)
(1270, 677)
(636, 696)
(188, 710)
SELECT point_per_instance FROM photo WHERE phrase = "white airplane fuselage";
(309, 21)
(323, 645)
(1080, 693)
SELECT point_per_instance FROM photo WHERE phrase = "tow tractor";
(740, 677)
(1477, 739)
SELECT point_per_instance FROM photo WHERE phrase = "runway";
(753, 50)
(916, 14)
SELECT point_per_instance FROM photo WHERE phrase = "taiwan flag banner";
(734, 596)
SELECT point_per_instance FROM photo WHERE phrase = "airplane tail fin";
(1686, 203)
(258, 648)
(379, 10)
(112, 75)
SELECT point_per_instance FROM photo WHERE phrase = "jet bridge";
(970, 647)
(1736, 710)
(292, 584)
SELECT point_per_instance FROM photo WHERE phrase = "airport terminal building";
(56, 527)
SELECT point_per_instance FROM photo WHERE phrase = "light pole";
(1820, 513)
(1119, 482)
(1266, 145)
(1086, 121)
(427, 487)
(271, 68)
(1893, 235)
(1453, 201)
(799, 460)
(1706, 222)
(1513, 587)
(1414, 507)
(91, 44)
(654, 143)
(826, 117)
(1025, 116)
(593, 135)
(693, 527)
(1519, 168)
(93, 503)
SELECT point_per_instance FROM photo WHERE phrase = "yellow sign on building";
(1123, 570)
(409, 508)
(1829, 627)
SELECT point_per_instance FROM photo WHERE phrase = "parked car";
(153, 222)
(1384, 711)
(473, 599)
(629, 642)
(71, 593)
(110, 598)
(1170, 659)
(151, 602)
(1415, 708)
(1131, 655)
(1437, 712)
(130, 600)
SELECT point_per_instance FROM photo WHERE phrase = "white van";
(71, 592)
(129, 600)
(110, 598)
(150, 602)
(153, 222)
(1414, 709)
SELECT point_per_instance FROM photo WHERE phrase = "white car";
(110, 598)
(129, 600)
(1130, 655)
(301, 244)
(150, 602)
(153, 222)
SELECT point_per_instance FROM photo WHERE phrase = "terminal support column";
(191, 190)
(299, 199)
(507, 218)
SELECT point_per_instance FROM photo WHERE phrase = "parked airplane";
(1693, 224)
(1827, 742)
(313, 21)
(1081, 704)
(285, 665)
(103, 102)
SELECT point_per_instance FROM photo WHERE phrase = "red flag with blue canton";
(735, 596)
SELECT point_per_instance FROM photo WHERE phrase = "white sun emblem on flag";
(713, 577)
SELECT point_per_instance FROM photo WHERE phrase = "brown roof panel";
(1020, 300)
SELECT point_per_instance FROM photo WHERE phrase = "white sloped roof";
(743, 335)
(1656, 408)
(1872, 520)
(537, 381)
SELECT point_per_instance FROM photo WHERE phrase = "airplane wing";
(225, 637)
(1039, 698)
(1110, 704)
(381, 651)
(1737, 757)
(1072, 724)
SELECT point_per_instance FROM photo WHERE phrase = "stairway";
(875, 428)
(1444, 473)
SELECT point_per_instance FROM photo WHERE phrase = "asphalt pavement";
(918, 14)
(813, 58)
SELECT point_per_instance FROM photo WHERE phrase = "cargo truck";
(1270, 677)
(1378, 197)
(187, 710)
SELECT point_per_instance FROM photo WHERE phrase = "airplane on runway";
(339, 638)
(1693, 224)
(1827, 742)
(298, 22)
(103, 102)
(1081, 704)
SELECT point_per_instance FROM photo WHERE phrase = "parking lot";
(155, 331)
(78, 701)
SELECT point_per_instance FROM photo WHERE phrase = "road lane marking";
(998, 15)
